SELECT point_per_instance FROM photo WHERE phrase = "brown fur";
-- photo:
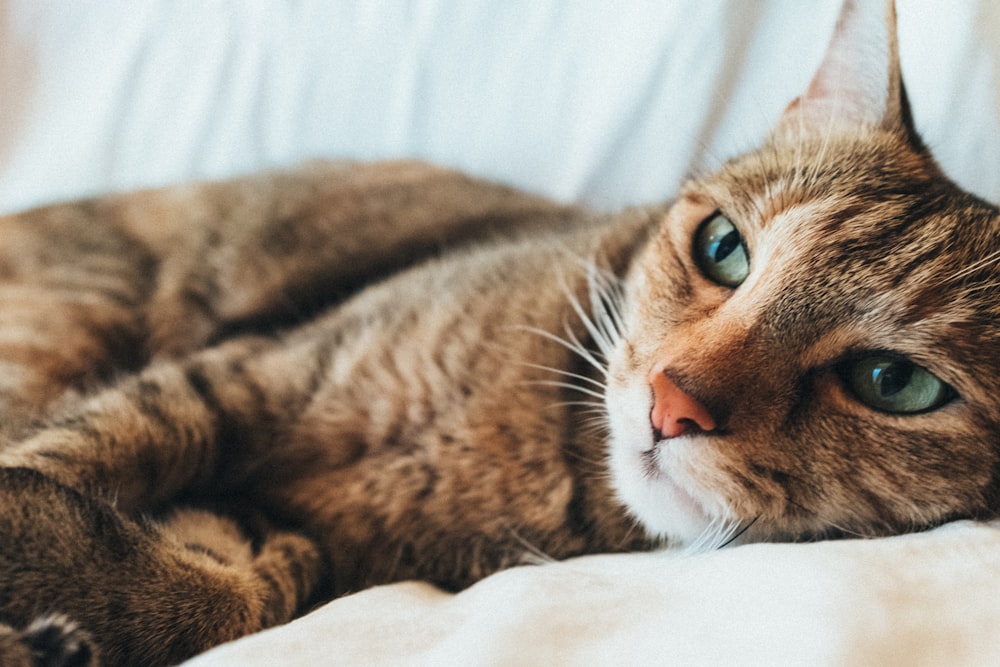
(397, 361)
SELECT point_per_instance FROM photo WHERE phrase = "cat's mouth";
(648, 460)
(656, 476)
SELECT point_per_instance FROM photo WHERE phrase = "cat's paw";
(287, 567)
(216, 536)
(50, 641)
(292, 567)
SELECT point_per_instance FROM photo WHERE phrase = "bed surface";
(605, 103)
(924, 599)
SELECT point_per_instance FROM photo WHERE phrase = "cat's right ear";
(859, 83)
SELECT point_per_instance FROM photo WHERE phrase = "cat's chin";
(664, 501)
(656, 498)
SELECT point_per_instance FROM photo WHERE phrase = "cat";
(225, 402)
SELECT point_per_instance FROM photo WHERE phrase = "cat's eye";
(720, 252)
(894, 384)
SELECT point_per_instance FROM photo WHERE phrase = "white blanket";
(609, 103)
(926, 599)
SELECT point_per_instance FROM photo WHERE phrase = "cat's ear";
(859, 82)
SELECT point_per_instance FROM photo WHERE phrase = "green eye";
(894, 384)
(719, 251)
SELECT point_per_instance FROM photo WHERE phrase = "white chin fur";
(650, 490)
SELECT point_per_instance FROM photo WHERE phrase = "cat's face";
(825, 308)
(809, 342)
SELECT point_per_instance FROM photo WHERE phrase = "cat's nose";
(675, 412)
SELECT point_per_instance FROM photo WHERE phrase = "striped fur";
(362, 373)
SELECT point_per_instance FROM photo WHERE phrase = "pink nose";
(675, 412)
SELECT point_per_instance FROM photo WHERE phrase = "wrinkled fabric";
(923, 599)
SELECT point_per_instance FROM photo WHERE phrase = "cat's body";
(391, 428)
(792, 349)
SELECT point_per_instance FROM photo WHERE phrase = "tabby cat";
(224, 402)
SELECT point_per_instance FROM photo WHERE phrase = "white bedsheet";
(609, 103)
(925, 599)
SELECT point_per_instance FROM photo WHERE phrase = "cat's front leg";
(135, 592)
(287, 565)
(139, 444)
(199, 426)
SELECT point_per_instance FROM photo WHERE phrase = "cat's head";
(812, 336)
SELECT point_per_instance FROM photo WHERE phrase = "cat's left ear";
(859, 82)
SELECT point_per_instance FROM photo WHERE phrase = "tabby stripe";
(227, 430)
(232, 419)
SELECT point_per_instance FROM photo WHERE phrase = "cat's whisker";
(567, 374)
(982, 288)
(594, 426)
(596, 408)
(604, 323)
(633, 528)
(596, 464)
(593, 329)
(596, 413)
(588, 405)
(719, 532)
(852, 532)
(571, 345)
(565, 385)
(598, 355)
(607, 296)
(594, 416)
(697, 545)
(991, 258)
(533, 554)
(739, 533)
